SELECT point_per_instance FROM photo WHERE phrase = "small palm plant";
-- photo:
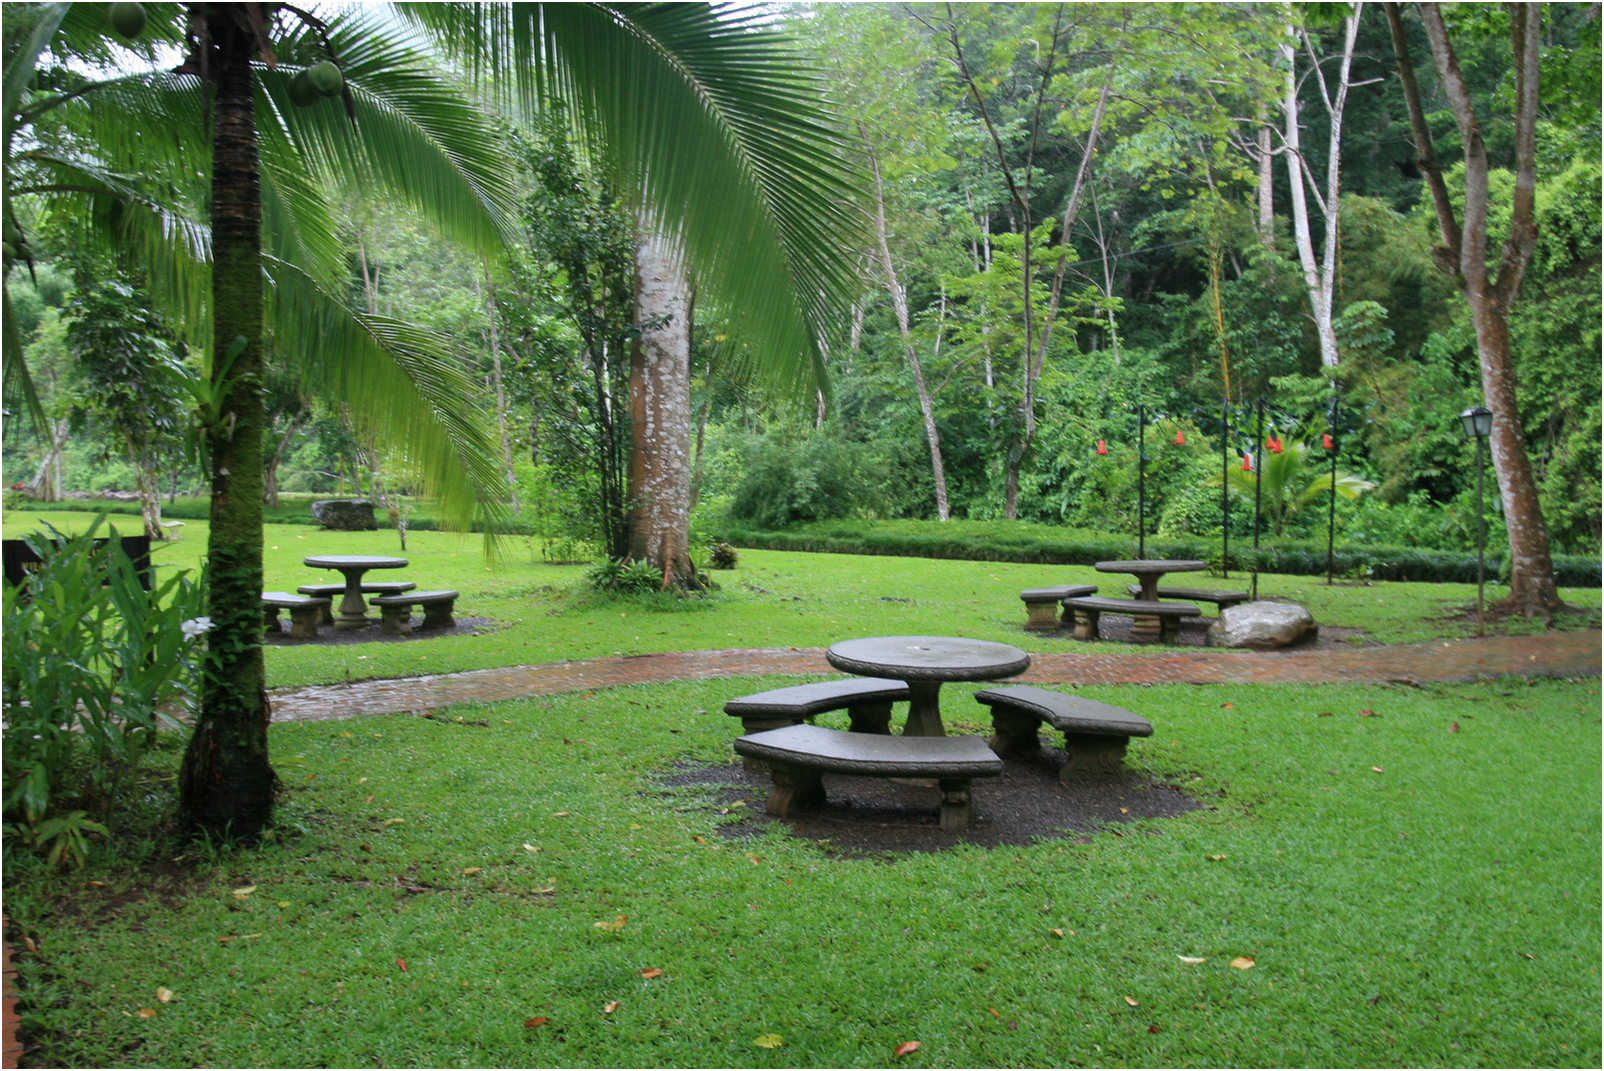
(1290, 480)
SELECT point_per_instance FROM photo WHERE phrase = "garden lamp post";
(1478, 424)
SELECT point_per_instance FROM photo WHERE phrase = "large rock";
(345, 514)
(1262, 625)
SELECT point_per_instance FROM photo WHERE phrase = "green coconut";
(303, 94)
(326, 78)
(126, 19)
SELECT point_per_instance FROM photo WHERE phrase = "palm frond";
(406, 387)
(713, 122)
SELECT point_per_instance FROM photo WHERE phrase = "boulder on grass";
(1262, 625)
(345, 514)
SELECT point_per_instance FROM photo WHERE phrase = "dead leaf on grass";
(536, 1021)
(399, 962)
(1242, 963)
(243, 891)
(610, 1007)
(1133, 1002)
(147, 1013)
(906, 1047)
(768, 1041)
(164, 995)
(1192, 960)
(651, 972)
(613, 926)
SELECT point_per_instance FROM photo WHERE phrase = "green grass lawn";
(498, 885)
(481, 892)
(543, 612)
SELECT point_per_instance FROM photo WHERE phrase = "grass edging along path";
(1413, 873)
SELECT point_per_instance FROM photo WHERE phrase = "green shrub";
(92, 664)
(625, 577)
(790, 479)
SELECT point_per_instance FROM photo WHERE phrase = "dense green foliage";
(1170, 292)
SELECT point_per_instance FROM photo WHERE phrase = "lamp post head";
(1477, 423)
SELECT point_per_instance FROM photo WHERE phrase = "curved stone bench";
(334, 591)
(1088, 610)
(1042, 605)
(395, 611)
(1095, 734)
(798, 756)
(1222, 599)
(305, 612)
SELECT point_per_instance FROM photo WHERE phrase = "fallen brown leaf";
(399, 962)
(1133, 1002)
(164, 995)
(651, 972)
(906, 1047)
(147, 1013)
(610, 1007)
(1242, 963)
(538, 1020)
(1454, 728)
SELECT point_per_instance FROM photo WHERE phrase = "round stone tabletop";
(928, 658)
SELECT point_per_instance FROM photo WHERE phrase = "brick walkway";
(1554, 654)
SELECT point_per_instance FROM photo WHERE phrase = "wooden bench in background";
(1089, 609)
(305, 612)
(799, 755)
(1042, 605)
(395, 611)
(1095, 734)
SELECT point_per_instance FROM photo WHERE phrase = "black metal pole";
(1225, 491)
(1258, 497)
(1331, 519)
(1481, 532)
(1141, 481)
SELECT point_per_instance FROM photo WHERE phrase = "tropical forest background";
(1201, 245)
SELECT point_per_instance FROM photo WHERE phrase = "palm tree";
(709, 118)
(210, 177)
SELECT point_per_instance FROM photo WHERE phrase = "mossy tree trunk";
(226, 783)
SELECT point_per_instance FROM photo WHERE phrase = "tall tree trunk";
(489, 296)
(1265, 160)
(226, 784)
(46, 482)
(1319, 273)
(270, 470)
(899, 303)
(147, 481)
(1464, 254)
(660, 413)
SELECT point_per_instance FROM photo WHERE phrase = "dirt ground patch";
(868, 816)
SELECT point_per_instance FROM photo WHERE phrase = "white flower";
(196, 626)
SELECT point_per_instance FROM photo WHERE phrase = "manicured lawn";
(543, 613)
(481, 892)
(492, 885)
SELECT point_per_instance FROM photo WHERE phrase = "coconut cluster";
(318, 81)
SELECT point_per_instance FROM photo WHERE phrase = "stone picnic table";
(1148, 572)
(924, 663)
(352, 611)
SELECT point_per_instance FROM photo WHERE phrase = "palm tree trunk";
(226, 784)
(660, 413)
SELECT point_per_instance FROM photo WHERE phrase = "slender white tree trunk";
(1319, 272)
(899, 303)
(660, 412)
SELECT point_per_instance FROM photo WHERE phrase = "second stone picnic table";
(352, 611)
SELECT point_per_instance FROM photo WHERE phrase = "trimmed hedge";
(1024, 542)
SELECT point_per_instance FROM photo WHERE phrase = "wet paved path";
(1554, 654)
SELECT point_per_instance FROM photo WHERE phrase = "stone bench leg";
(303, 621)
(395, 620)
(1092, 754)
(1086, 623)
(870, 718)
(956, 804)
(1040, 615)
(795, 788)
(1169, 629)
(325, 613)
(437, 615)
(270, 618)
(1013, 733)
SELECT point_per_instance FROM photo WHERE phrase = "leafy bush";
(1023, 542)
(625, 577)
(721, 556)
(790, 479)
(92, 663)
